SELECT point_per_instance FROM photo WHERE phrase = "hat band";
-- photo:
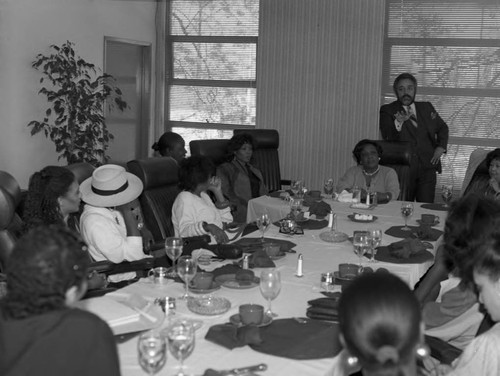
(102, 192)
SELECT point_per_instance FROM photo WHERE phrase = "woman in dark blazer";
(240, 180)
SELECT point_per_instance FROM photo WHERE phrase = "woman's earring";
(423, 351)
(352, 361)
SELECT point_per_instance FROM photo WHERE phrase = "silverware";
(245, 370)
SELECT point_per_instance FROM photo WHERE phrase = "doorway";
(129, 62)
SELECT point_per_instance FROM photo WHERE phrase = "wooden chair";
(265, 156)
(397, 155)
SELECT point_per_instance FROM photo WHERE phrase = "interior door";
(129, 62)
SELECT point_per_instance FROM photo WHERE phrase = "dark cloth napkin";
(226, 269)
(309, 224)
(407, 251)
(250, 245)
(438, 207)
(423, 232)
(285, 338)
(320, 209)
(260, 259)
(324, 308)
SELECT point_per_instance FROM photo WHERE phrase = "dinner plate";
(195, 290)
(362, 206)
(229, 281)
(208, 305)
(352, 218)
(236, 320)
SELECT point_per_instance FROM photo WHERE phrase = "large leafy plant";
(75, 121)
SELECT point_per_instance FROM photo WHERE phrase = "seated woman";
(54, 198)
(111, 221)
(171, 145)
(41, 333)
(368, 175)
(380, 326)
(240, 180)
(193, 212)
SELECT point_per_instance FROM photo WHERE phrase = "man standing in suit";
(420, 124)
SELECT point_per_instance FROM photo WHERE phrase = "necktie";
(413, 118)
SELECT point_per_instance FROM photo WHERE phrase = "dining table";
(318, 257)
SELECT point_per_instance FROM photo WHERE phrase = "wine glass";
(181, 341)
(328, 188)
(362, 243)
(270, 286)
(152, 352)
(186, 268)
(173, 249)
(446, 194)
(406, 212)
(376, 237)
(263, 223)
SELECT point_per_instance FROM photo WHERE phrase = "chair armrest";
(109, 268)
(442, 350)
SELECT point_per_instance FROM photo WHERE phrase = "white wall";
(28, 27)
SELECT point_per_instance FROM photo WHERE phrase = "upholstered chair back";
(160, 179)
(11, 187)
(215, 149)
(397, 155)
(7, 237)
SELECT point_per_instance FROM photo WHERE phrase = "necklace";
(371, 173)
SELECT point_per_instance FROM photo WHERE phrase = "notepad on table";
(113, 312)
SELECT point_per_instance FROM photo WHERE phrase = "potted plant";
(75, 121)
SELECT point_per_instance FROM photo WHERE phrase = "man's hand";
(438, 152)
(401, 116)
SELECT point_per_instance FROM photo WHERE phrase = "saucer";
(209, 306)
(352, 218)
(236, 320)
(229, 281)
(214, 287)
(436, 222)
(343, 280)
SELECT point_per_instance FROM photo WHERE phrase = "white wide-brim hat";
(110, 185)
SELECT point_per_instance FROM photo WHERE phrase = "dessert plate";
(229, 281)
(353, 218)
(195, 290)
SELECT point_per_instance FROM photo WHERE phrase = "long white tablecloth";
(319, 257)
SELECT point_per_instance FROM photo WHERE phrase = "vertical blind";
(452, 47)
(211, 69)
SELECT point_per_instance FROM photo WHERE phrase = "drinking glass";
(328, 188)
(406, 212)
(376, 238)
(362, 243)
(181, 341)
(173, 249)
(263, 223)
(270, 286)
(186, 268)
(446, 194)
(152, 352)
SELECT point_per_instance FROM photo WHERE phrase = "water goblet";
(173, 249)
(152, 352)
(361, 242)
(376, 238)
(181, 341)
(406, 212)
(270, 286)
(186, 268)
(446, 194)
(263, 223)
(328, 188)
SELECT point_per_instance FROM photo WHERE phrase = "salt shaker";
(246, 262)
(299, 266)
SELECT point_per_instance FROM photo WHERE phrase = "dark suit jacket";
(432, 131)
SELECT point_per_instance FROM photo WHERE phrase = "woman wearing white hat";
(111, 220)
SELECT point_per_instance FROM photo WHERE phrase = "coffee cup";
(428, 219)
(203, 280)
(348, 271)
(159, 275)
(251, 314)
(272, 249)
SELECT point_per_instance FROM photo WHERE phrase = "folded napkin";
(344, 196)
(407, 251)
(202, 252)
(250, 245)
(324, 308)
(226, 269)
(438, 207)
(320, 208)
(260, 259)
(406, 248)
(285, 337)
(421, 232)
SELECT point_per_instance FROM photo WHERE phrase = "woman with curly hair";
(368, 175)
(53, 195)
(193, 212)
(241, 181)
(40, 332)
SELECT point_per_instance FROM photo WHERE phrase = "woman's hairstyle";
(193, 171)
(167, 141)
(360, 146)
(237, 141)
(491, 156)
(45, 187)
(471, 229)
(44, 264)
(379, 318)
